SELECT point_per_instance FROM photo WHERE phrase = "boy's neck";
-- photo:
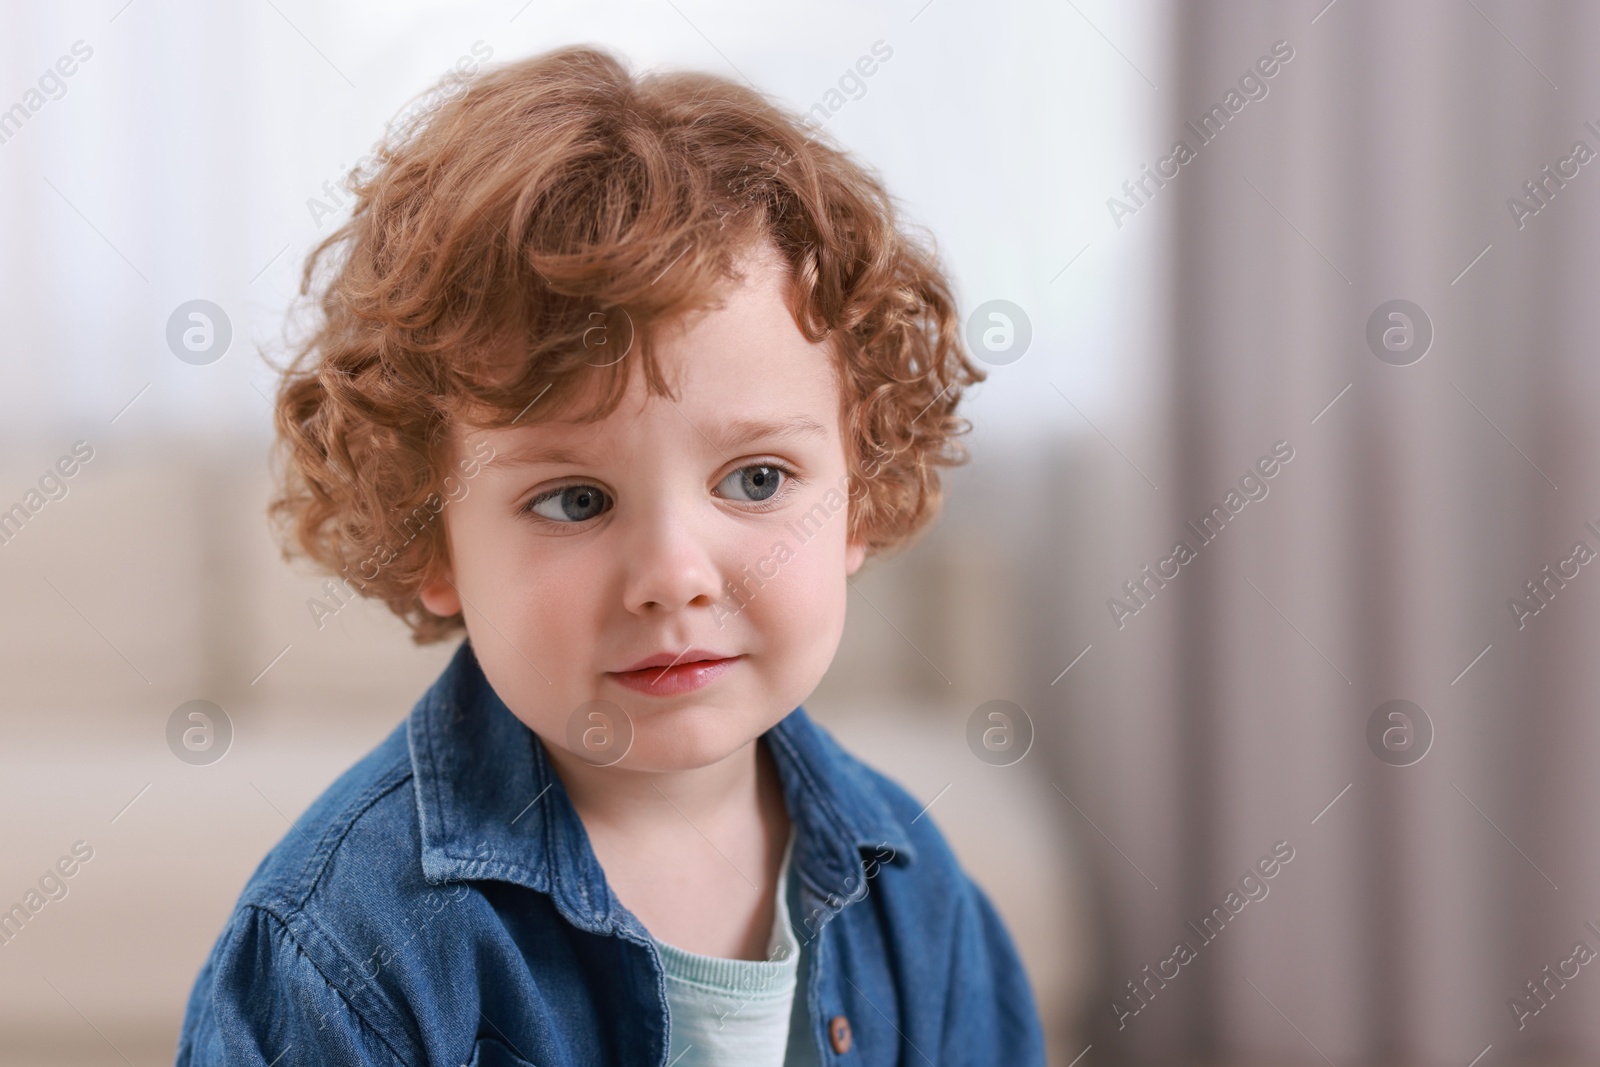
(695, 855)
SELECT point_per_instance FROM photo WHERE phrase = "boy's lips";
(685, 676)
(671, 659)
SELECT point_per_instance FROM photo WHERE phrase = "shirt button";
(839, 1033)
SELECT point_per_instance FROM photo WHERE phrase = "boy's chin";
(690, 742)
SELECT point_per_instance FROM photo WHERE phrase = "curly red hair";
(556, 209)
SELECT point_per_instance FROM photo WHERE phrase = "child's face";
(665, 504)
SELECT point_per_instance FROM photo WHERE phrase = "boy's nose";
(668, 566)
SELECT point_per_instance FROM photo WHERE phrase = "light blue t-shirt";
(740, 1013)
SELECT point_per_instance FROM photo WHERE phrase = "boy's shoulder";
(321, 926)
(369, 847)
(356, 831)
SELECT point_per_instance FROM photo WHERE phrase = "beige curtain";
(1386, 161)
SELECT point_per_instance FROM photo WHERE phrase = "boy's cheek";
(796, 585)
(537, 703)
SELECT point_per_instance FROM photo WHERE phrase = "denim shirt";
(440, 904)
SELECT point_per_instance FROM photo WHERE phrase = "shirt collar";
(491, 805)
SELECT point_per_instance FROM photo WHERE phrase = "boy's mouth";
(668, 675)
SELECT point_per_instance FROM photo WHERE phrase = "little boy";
(676, 373)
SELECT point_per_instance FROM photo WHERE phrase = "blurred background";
(1275, 536)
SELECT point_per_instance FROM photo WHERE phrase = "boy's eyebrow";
(738, 432)
(730, 435)
(534, 454)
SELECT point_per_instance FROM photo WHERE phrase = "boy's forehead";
(741, 370)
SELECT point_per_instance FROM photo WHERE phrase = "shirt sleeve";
(990, 1014)
(260, 1001)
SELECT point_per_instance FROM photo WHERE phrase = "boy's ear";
(439, 596)
(855, 553)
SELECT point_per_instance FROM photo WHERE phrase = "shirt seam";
(316, 865)
(966, 909)
(862, 777)
(819, 798)
(282, 923)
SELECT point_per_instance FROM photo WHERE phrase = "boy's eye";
(757, 482)
(575, 503)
